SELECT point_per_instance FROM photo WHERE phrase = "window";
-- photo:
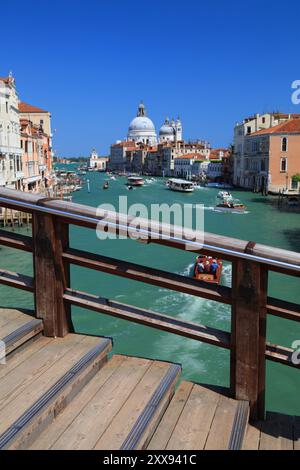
(6, 106)
(283, 165)
(249, 130)
(284, 143)
(263, 120)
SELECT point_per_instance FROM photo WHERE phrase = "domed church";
(141, 128)
(170, 131)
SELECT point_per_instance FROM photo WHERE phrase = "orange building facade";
(35, 158)
(272, 158)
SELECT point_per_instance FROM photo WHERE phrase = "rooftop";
(28, 108)
(291, 126)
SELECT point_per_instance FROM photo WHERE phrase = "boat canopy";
(179, 181)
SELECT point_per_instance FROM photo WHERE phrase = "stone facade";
(272, 157)
(11, 171)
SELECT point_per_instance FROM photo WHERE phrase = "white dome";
(141, 128)
(141, 123)
(166, 130)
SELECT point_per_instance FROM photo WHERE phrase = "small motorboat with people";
(106, 185)
(231, 206)
(208, 269)
(112, 177)
(183, 186)
(135, 181)
(224, 195)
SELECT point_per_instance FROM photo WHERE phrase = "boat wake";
(231, 212)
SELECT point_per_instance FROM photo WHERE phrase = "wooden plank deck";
(197, 418)
(277, 432)
(106, 412)
(123, 403)
(18, 327)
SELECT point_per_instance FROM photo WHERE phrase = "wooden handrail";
(78, 214)
(156, 277)
(247, 297)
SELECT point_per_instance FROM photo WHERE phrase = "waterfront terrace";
(62, 390)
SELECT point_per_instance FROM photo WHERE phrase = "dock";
(63, 390)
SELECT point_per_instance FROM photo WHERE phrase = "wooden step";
(118, 409)
(17, 328)
(200, 418)
(277, 432)
(35, 390)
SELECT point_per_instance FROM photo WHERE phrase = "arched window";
(284, 143)
(283, 165)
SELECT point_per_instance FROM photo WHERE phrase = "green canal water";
(264, 223)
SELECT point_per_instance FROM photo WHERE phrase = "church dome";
(141, 123)
(141, 128)
(166, 130)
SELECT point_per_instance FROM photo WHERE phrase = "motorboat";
(207, 276)
(219, 185)
(224, 195)
(230, 206)
(183, 186)
(106, 185)
(135, 181)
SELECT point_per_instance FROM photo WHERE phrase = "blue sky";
(91, 62)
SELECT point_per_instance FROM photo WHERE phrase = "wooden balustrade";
(248, 298)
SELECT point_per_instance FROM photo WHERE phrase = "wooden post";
(50, 238)
(248, 339)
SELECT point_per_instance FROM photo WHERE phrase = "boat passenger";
(207, 267)
(214, 267)
(200, 268)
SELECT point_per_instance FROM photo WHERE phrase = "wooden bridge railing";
(248, 298)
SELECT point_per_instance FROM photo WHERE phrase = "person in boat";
(207, 267)
(199, 268)
(214, 267)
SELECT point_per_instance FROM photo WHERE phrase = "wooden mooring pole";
(248, 338)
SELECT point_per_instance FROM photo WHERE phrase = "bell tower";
(178, 127)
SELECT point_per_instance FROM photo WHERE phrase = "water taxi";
(224, 195)
(135, 181)
(230, 206)
(180, 185)
(206, 275)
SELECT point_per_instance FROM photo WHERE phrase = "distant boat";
(106, 185)
(230, 206)
(224, 195)
(219, 185)
(135, 181)
(180, 185)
